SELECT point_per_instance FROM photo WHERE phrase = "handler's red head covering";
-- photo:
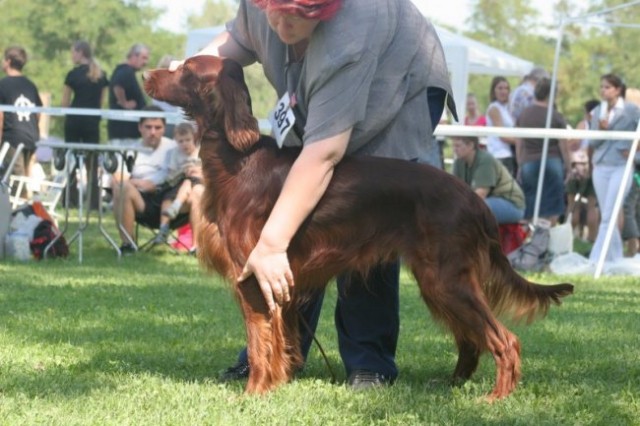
(322, 10)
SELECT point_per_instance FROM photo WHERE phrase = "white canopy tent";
(199, 38)
(464, 56)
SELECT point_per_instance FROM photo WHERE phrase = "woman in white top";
(498, 115)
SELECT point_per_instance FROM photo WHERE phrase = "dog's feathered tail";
(509, 294)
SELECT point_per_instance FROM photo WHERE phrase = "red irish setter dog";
(374, 210)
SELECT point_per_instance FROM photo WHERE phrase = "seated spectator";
(184, 178)
(138, 197)
(489, 178)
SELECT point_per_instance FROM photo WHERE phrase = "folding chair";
(49, 192)
(5, 192)
(181, 220)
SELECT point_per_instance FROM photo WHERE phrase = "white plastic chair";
(49, 193)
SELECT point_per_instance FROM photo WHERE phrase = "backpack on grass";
(533, 255)
(43, 233)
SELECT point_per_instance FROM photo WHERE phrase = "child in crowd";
(184, 172)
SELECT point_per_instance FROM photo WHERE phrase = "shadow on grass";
(69, 330)
(97, 323)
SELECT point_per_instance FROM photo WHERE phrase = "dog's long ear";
(240, 125)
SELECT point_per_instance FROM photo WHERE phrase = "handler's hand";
(271, 267)
(173, 65)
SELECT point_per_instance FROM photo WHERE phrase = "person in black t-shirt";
(19, 127)
(125, 92)
(87, 83)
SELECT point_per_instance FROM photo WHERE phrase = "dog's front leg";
(268, 360)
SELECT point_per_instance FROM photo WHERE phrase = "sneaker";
(127, 250)
(238, 371)
(160, 238)
(364, 379)
(171, 212)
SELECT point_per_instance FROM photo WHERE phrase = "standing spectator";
(19, 127)
(87, 83)
(473, 116)
(631, 209)
(529, 153)
(125, 93)
(489, 179)
(523, 95)
(580, 185)
(609, 159)
(498, 116)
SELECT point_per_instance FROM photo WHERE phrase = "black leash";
(324, 355)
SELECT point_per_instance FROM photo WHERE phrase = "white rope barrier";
(109, 114)
(447, 130)
(528, 133)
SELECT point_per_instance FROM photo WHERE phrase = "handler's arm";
(306, 183)
(224, 46)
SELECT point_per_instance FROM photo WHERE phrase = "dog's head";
(212, 91)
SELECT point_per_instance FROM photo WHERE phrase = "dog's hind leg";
(266, 347)
(505, 348)
(454, 297)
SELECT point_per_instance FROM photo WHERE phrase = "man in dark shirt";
(19, 127)
(125, 93)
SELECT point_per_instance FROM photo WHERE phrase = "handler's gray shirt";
(367, 68)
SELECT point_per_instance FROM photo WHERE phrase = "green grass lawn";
(140, 341)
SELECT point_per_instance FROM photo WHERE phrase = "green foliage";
(503, 22)
(214, 12)
(47, 29)
(587, 52)
(140, 341)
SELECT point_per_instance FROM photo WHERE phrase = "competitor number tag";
(282, 119)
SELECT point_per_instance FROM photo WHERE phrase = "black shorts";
(152, 209)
